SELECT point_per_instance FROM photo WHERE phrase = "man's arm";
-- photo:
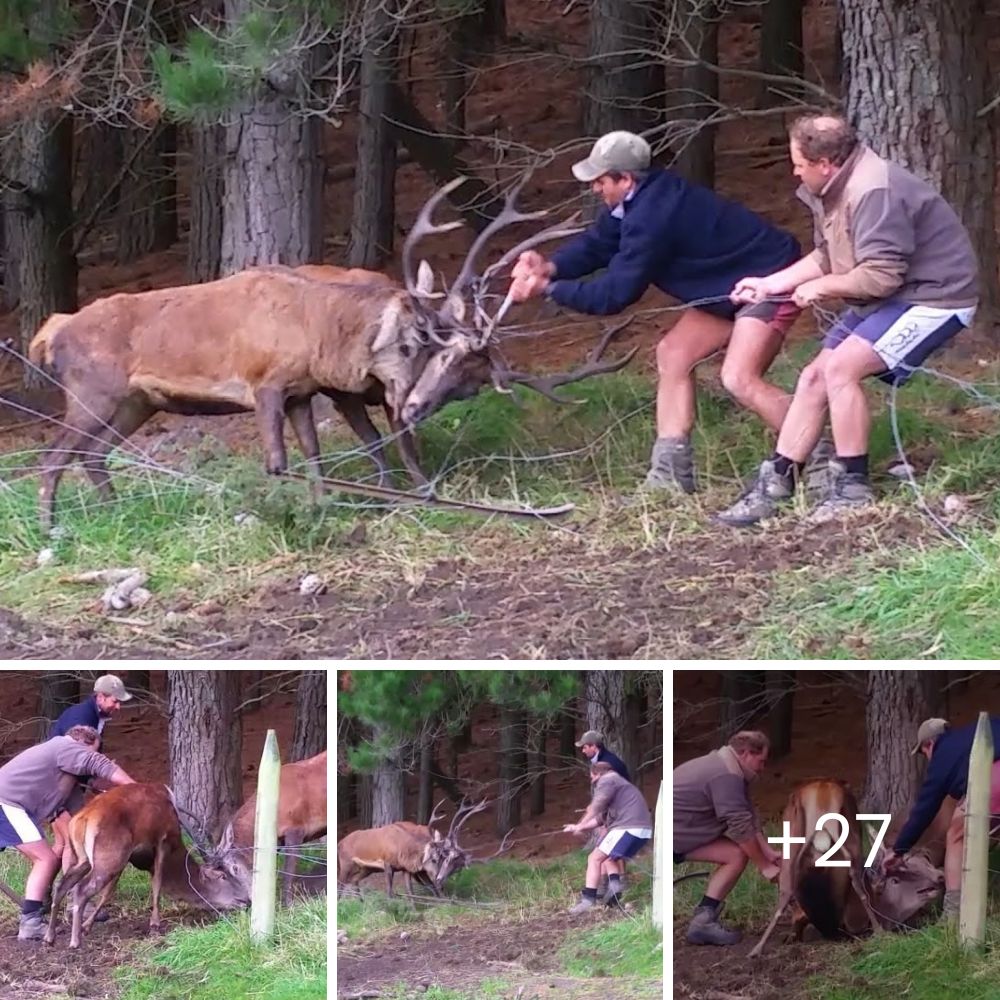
(588, 252)
(782, 282)
(932, 793)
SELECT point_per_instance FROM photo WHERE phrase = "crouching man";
(619, 806)
(715, 821)
(35, 786)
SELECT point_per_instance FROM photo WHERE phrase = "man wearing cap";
(715, 821)
(657, 229)
(592, 745)
(947, 751)
(618, 806)
(94, 712)
(35, 785)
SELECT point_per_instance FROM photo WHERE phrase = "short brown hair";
(602, 768)
(827, 136)
(83, 734)
(750, 739)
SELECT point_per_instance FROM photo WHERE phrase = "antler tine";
(568, 227)
(507, 217)
(462, 814)
(547, 384)
(434, 813)
(425, 226)
(502, 849)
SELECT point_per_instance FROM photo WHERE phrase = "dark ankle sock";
(783, 465)
(854, 464)
(589, 893)
(712, 904)
(614, 879)
(30, 906)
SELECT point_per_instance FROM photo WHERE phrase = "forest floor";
(624, 576)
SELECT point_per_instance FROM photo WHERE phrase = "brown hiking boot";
(31, 928)
(586, 903)
(671, 466)
(706, 929)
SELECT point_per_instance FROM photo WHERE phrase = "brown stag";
(388, 849)
(301, 818)
(139, 824)
(839, 899)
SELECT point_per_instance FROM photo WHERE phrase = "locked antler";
(504, 847)
(426, 226)
(462, 814)
(547, 384)
(434, 814)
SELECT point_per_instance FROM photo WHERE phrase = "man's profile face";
(612, 192)
(589, 750)
(755, 762)
(107, 704)
(814, 174)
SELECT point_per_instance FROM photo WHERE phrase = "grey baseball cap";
(619, 151)
(111, 685)
(930, 729)
(590, 736)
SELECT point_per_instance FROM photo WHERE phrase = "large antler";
(194, 829)
(509, 215)
(504, 847)
(547, 384)
(426, 226)
(434, 814)
(461, 816)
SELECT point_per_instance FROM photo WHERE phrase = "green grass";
(920, 594)
(513, 893)
(218, 962)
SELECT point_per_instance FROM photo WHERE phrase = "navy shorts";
(778, 315)
(903, 335)
(622, 844)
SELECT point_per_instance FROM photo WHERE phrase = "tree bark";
(365, 797)
(567, 736)
(10, 270)
(618, 76)
(99, 160)
(537, 767)
(425, 788)
(696, 100)
(273, 176)
(781, 694)
(388, 790)
(780, 50)
(511, 770)
(204, 732)
(57, 690)
(40, 223)
(605, 695)
(896, 705)
(916, 76)
(374, 210)
(309, 736)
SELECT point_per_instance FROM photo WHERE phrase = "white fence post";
(265, 855)
(659, 860)
(972, 914)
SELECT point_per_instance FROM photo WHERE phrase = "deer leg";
(783, 900)
(292, 840)
(128, 418)
(82, 894)
(407, 444)
(156, 884)
(352, 408)
(101, 900)
(388, 880)
(300, 415)
(67, 882)
(270, 411)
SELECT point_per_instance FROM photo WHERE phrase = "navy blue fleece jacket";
(947, 774)
(686, 240)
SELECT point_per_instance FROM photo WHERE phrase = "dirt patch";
(701, 596)
(706, 973)
(30, 969)
(523, 954)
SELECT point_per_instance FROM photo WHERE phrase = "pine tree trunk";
(388, 790)
(896, 705)
(694, 101)
(208, 151)
(41, 223)
(780, 50)
(205, 732)
(567, 736)
(537, 767)
(374, 210)
(99, 163)
(915, 76)
(366, 803)
(57, 690)
(617, 87)
(635, 702)
(425, 787)
(781, 694)
(605, 696)
(309, 737)
(511, 770)
(741, 700)
(10, 271)
(146, 213)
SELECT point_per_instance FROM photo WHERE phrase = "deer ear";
(437, 836)
(388, 330)
(425, 279)
(454, 308)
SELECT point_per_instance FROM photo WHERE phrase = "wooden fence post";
(972, 914)
(659, 860)
(265, 855)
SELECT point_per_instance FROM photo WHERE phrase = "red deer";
(301, 818)
(138, 823)
(842, 898)
(388, 849)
